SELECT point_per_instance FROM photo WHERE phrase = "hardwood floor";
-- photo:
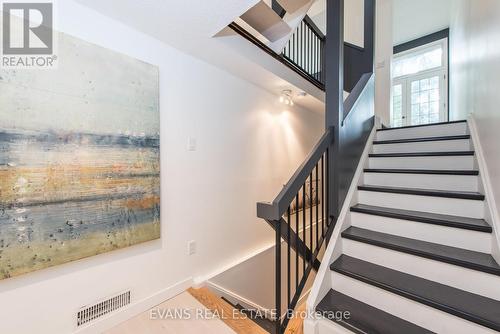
(226, 320)
(143, 324)
(231, 317)
(296, 324)
(242, 326)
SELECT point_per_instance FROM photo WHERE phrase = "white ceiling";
(416, 18)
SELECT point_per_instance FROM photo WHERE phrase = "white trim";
(491, 207)
(242, 300)
(135, 308)
(322, 282)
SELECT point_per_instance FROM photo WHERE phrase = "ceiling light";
(286, 97)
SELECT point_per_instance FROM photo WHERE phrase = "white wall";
(414, 19)
(383, 59)
(247, 148)
(474, 79)
(353, 19)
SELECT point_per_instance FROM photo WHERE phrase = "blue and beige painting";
(79, 158)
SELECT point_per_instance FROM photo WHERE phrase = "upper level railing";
(305, 50)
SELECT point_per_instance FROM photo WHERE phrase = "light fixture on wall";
(286, 97)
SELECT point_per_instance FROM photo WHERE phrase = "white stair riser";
(444, 235)
(440, 205)
(417, 313)
(437, 162)
(453, 129)
(424, 181)
(428, 146)
(323, 326)
(474, 281)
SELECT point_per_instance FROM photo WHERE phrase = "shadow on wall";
(278, 133)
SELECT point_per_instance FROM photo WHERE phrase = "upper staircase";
(414, 251)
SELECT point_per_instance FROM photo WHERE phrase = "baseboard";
(492, 213)
(135, 308)
(246, 303)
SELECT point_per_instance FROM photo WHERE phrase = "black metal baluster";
(311, 52)
(278, 276)
(322, 196)
(296, 242)
(304, 224)
(309, 37)
(303, 44)
(316, 58)
(288, 259)
(311, 212)
(328, 190)
(317, 208)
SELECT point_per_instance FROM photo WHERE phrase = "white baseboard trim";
(135, 308)
(492, 207)
(242, 300)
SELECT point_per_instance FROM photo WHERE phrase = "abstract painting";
(79, 157)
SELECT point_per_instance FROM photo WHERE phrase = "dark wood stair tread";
(423, 171)
(478, 309)
(421, 125)
(425, 217)
(421, 154)
(364, 318)
(425, 192)
(452, 255)
(419, 140)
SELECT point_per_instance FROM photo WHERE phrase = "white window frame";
(405, 80)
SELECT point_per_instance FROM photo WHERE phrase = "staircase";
(414, 251)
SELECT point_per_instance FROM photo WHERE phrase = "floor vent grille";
(89, 313)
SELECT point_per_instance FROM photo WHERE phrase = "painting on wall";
(79, 158)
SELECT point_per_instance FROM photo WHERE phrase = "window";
(419, 91)
(418, 62)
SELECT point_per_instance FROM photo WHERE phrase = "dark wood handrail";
(314, 27)
(276, 209)
(248, 36)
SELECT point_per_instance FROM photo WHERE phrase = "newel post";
(334, 89)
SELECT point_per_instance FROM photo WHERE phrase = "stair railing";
(300, 218)
(306, 49)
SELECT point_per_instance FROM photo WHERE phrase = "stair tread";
(422, 171)
(422, 139)
(478, 309)
(421, 125)
(425, 217)
(425, 192)
(365, 318)
(421, 154)
(452, 255)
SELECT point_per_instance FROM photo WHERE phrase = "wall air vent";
(89, 313)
